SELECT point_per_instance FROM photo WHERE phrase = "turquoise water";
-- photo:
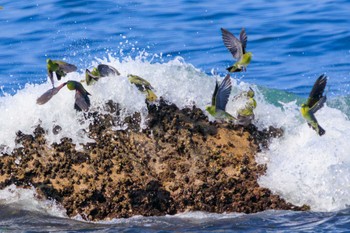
(293, 42)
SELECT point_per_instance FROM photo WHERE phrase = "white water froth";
(193, 217)
(176, 81)
(303, 167)
(27, 199)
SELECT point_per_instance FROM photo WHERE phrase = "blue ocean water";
(293, 42)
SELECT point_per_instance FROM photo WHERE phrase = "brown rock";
(180, 162)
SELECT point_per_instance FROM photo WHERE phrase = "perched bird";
(102, 70)
(237, 49)
(246, 114)
(143, 86)
(315, 101)
(82, 100)
(61, 69)
(44, 98)
(220, 99)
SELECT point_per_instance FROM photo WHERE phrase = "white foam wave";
(194, 217)
(27, 199)
(305, 168)
(302, 167)
(176, 81)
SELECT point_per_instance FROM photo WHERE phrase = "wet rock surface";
(180, 162)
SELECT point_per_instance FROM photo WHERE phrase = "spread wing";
(66, 67)
(44, 98)
(232, 43)
(317, 91)
(106, 70)
(223, 93)
(318, 105)
(243, 38)
(82, 101)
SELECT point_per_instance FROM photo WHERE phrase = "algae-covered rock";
(180, 162)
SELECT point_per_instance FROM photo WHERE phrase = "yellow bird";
(237, 49)
(315, 102)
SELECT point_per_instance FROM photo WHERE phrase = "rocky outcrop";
(180, 162)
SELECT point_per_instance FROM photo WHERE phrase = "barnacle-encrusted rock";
(180, 162)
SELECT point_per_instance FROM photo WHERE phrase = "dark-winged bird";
(315, 101)
(61, 69)
(220, 99)
(82, 100)
(102, 70)
(237, 49)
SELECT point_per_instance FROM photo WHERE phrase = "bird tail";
(233, 69)
(321, 131)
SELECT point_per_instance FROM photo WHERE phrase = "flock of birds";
(217, 109)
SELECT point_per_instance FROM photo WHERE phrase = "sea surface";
(177, 46)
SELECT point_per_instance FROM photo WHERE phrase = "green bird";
(143, 86)
(237, 49)
(61, 69)
(82, 100)
(220, 99)
(102, 70)
(315, 102)
(246, 114)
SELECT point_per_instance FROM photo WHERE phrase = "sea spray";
(176, 81)
(27, 199)
(305, 168)
(301, 166)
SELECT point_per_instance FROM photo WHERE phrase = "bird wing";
(223, 93)
(317, 91)
(213, 98)
(232, 43)
(106, 70)
(44, 98)
(318, 105)
(82, 101)
(66, 67)
(243, 38)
